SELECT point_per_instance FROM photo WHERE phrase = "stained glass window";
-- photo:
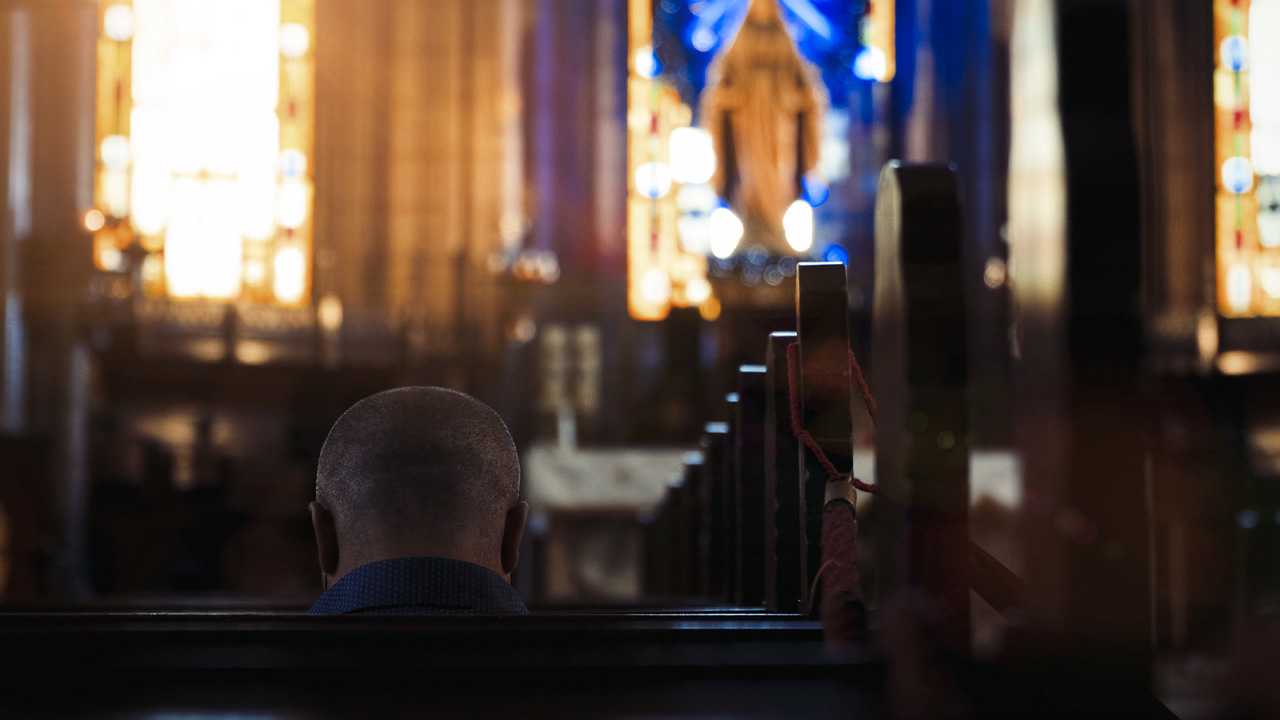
(1247, 118)
(205, 132)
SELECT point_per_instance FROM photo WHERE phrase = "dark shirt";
(420, 586)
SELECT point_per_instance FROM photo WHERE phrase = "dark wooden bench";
(732, 551)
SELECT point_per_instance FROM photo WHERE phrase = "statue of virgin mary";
(763, 107)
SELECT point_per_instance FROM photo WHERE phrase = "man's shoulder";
(420, 586)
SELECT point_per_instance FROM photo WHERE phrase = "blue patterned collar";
(420, 586)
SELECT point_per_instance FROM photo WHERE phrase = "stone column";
(47, 49)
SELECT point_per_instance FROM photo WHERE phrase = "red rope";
(797, 424)
(839, 594)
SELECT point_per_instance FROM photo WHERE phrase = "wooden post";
(749, 453)
(712, 533)
(825, 397)
(730, 542)
(782, 483)
(920, 373)
(684, 527)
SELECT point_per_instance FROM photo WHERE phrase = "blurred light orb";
(294, 40)
(152, 269)
(703, 39)
(1237, 175)
(94, 220)
(524, 329)
(693, 155)
(117, 22)
(726, 232)
(547, 267)
(111, 258)
(290, 276)
(655, 286)
(1239, 287)
(871, 63)
(646, 62)
(293, 164)
(291, 205)
(695, 234)
(1269, 279)
(797, 225)
(115, 192)
(115, 152)
(1234, 52)
(995, 273)
(255, 272)
(653, 180)
(329, 313)
(710, 310)
(833, 253)
(697, 291)
(697, 198)
(816, 192)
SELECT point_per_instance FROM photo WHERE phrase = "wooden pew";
(783, 550)
(920, 370)
(713, 531)
(749, 476)
(684, 528)
(824, 395)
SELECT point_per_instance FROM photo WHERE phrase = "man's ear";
(512, 533)
(326, 533)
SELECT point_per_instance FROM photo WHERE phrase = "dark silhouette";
(418, 507)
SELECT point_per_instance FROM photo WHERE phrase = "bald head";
(418, 471)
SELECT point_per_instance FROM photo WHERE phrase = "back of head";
(418, 470)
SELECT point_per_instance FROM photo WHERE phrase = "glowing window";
(1247, 118)
(204, 133)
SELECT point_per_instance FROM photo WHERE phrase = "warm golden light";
(797, 224)
(725, 231)
(329, 313)
(1239, 287)
(880, 40)
(289, 273)
(191, 152)
(117, 22)
(693, 156)
(697, 291)
(667, 159)
(94, 221)
(656, 286)
(1247, 118)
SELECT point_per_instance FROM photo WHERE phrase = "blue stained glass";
(816, 192)
(1235, 52)
(690, 33)
(1237, 175)
(836, 253)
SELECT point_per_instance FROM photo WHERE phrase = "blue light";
(826, 31)
(1237, 175)
(836, 253)
(870, 64)
(703, 39)
(1234, 52)
(647, 63)
(816, 192)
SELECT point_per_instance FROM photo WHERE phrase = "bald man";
(418, 508)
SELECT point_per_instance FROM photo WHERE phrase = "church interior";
(887, 358)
